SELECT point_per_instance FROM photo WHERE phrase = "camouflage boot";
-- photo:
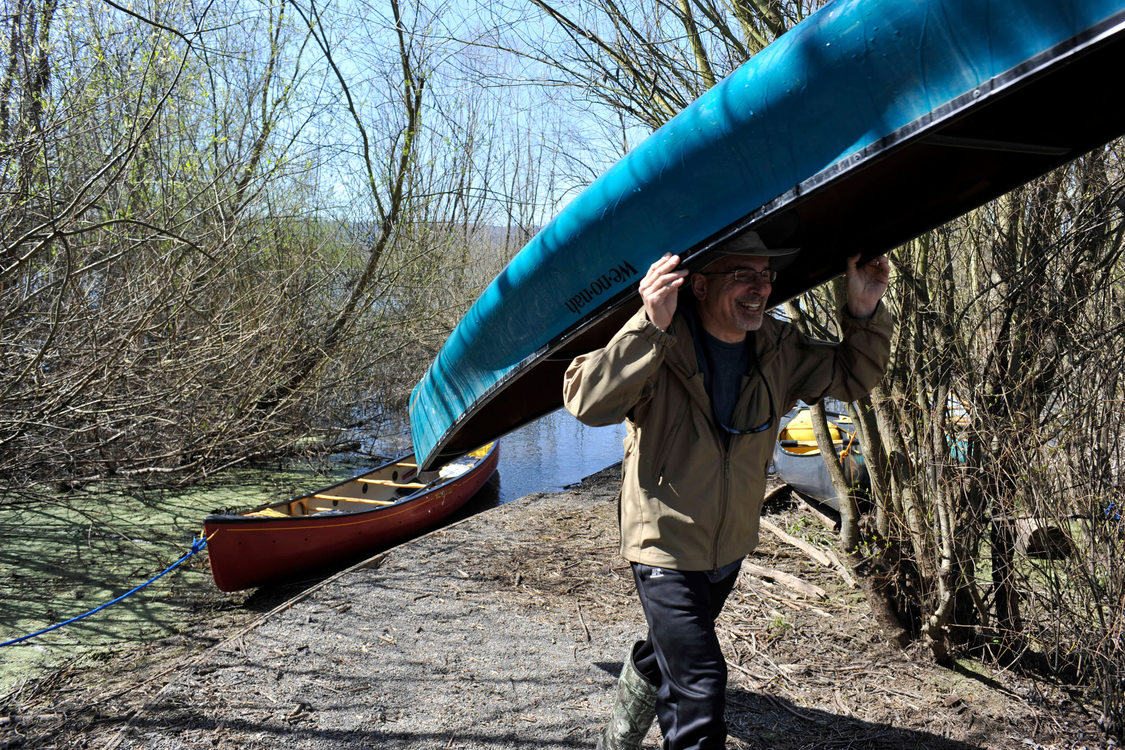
(633, 711)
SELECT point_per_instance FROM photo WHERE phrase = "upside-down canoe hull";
(340, 523)
(861, 128)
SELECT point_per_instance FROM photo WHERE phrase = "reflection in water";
(544, 456)
(553, 452)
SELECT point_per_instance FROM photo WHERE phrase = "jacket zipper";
(724, 490)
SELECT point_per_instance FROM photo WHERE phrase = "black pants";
(681, 655)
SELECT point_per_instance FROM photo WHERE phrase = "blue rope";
(195, 547)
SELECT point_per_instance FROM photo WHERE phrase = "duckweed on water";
(65, 553)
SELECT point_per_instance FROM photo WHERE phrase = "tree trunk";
(849, 509)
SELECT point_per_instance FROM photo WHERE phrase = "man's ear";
(698, 285)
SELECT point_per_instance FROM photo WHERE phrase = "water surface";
(554, 452)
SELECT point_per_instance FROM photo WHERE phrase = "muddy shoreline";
(507, 630)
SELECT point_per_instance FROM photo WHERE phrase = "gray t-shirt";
(728, 363)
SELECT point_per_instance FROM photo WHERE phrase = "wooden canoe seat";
(341, 498)
(390, 483)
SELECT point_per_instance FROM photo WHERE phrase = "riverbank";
(507, 630)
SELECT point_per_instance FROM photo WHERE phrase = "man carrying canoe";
(701, 375)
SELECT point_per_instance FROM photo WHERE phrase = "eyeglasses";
(753, 430)
(746, 275)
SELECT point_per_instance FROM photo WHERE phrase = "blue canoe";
(861, 128)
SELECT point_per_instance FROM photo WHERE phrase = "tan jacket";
(687, 501)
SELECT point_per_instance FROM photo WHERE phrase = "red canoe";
(340, 523)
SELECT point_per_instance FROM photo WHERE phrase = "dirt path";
(507, 631)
